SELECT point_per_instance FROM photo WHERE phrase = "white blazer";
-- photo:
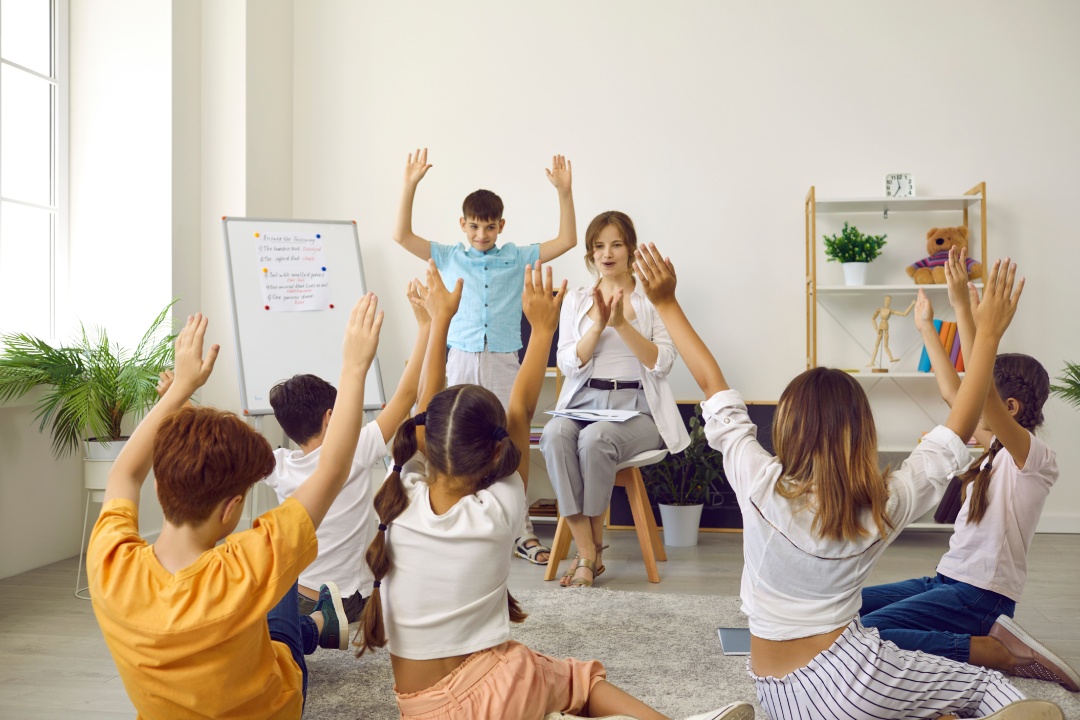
(653, 380)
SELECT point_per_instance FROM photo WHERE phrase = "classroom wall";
(707, 122)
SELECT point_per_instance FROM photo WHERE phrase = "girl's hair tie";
(377, 583)
(397, 469)
(499, 433)
(420, 418)
(382, 527)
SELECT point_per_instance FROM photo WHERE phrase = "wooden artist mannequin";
(881, 324)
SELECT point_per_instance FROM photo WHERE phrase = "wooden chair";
(627, 475)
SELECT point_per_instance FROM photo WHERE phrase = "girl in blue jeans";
(965, 612)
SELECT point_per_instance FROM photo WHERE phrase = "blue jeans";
(937, 615)
(298, 632)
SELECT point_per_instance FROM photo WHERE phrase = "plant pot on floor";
(98, 462)
(681, 524)
(855, 273)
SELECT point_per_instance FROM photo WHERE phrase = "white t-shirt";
(794, 583)
(993, 554)
(349, 525)
(445, 594)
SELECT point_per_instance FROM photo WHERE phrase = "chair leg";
(560, 548)
(639, 506)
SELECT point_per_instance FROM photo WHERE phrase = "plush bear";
(931, 270)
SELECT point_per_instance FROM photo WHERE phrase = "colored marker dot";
(256, 234)
(324, 269)
(331, 306)
(265, 270)
(317, 236)
(266, 307)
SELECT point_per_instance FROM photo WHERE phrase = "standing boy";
(303, 406)
(199, 629)
(485, 335)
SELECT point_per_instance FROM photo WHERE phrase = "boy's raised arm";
(658, 281)
(415, 169)
(338, 449)
(400, 405)
(191, 372)
(561, 177)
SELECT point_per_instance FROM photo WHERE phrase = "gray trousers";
(581, 457)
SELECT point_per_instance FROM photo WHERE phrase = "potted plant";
(683, 483)
(1069, 389)
(91, 385)
(854, 251)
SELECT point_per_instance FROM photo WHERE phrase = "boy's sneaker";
(734, 711)
(333, 636)
(1028, 710)
(1036, 661)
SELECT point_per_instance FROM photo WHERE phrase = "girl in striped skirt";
(818, 515)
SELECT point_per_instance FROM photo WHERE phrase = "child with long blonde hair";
(818, 514)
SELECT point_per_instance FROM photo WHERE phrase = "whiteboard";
(292, 286)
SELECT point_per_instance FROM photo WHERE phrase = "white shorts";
(495, 371)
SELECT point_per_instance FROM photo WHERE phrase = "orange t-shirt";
(196, 644)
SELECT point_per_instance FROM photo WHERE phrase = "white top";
(574, 322)
(445, 594)
(613, 359)
(993, 554)
(794, 583)
(349, 525)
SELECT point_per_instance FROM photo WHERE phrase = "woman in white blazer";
(615, 353)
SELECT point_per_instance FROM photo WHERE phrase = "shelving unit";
(552, 373)
(909, 399)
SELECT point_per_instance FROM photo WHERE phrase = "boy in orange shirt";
(199, 629)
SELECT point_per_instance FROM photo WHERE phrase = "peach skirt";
(507, 681)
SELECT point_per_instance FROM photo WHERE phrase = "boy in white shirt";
(302, 406)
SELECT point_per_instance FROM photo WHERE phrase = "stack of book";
(534, 434)
(544, 507)
(950, 340)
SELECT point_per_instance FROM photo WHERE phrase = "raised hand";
(416, 302)
(560, 173)
(999, 301)
(539, 301)
(956, 276)
(165, 381)
(362, 332)
(416, 167)
(657, 275)
(191, 368)
(441, 303)
(924, 312)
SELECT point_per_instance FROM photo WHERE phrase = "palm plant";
(689, 477)
(93, 384)
(1069, 389)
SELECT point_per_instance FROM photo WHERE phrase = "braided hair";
(466, 440)
(1021, 378)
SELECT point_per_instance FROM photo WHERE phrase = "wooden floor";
(54, 664)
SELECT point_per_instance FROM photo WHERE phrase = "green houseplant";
(854, 250)
(684, 482)
(1069, 389)
(90, 385)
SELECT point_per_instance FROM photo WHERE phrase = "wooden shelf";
(883, 204)
(930, 526)
(883, 376)
(909, 288)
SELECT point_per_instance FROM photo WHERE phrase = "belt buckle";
(615, 384)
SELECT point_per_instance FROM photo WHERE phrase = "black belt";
(613, 384)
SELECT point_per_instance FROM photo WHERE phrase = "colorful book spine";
(924, 359)
(954, 352)
(960, 361)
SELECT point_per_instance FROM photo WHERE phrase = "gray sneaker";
(333, 611)
(1028, 710)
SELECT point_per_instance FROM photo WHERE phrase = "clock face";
(899, 185)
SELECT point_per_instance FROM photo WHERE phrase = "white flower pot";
(681, 524)
(855, 273)
(97, 464)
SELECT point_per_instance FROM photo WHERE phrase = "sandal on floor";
(522, 550)
(589, 565)
(567, 576)
(599, 562)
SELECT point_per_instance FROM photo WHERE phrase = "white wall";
(707, 122)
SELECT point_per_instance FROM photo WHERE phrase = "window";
(33, 163)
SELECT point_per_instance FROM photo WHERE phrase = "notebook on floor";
(734, 641)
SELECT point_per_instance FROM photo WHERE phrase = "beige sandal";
(599, 563)
(589, 565)
(568, 576)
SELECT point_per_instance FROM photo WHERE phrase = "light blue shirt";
(491, 298)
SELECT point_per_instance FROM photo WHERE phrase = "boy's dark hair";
(300, 403)
(483, 205)
(203, 456)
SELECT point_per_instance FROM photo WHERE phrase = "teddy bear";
(931, 270)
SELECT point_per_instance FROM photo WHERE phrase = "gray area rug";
(661, 648)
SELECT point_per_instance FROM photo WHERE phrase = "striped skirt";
(862, 677)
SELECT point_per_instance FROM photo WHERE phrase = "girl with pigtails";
(448, 516)
(965, 611)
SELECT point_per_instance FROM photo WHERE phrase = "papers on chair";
(596, 415)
